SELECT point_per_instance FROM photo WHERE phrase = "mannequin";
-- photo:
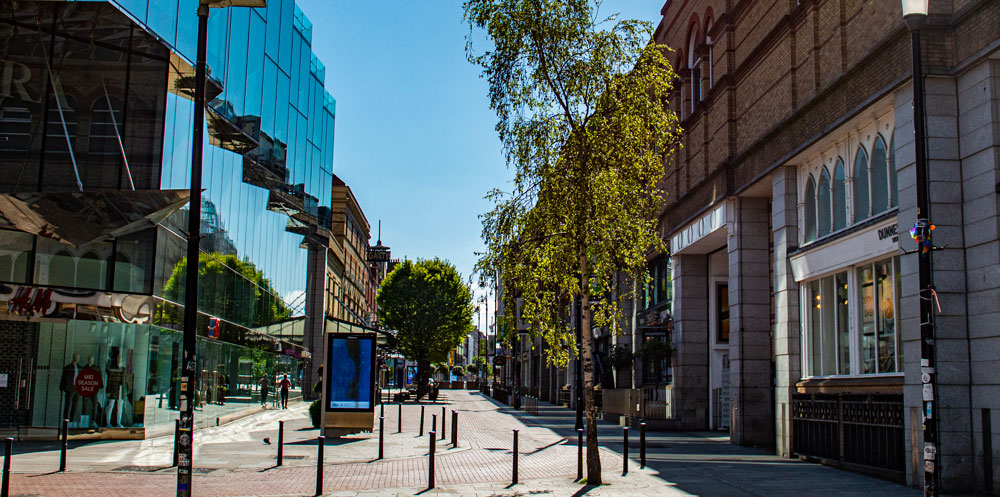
(116, 375)
(90, 407)
(67, 384)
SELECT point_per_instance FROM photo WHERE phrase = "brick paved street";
(232, 460)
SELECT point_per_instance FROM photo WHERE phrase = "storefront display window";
(827, 314)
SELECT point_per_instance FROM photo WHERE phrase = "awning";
(79, 218)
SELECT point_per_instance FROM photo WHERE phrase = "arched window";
(694, 64)
(839, 197)
(809, 200)
(893, 187)
(708, 43)
(90, 271)
(823, 204)
(862, 207)
(880, 177)
(61, 269)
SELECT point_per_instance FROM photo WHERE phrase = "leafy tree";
(430, 309)
(583, 118)
(230, 288)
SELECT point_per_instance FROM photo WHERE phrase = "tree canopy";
(430, 309)
(583, 117)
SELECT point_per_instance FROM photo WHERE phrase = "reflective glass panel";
(809, 201)
(886, 317)
(839, 197)
(843, 324)
(866, 294)
(880, 177)
(862, 207)
(823, 204)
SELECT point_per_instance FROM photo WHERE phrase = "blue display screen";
(350, 372)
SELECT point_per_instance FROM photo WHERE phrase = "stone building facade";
(794, 278)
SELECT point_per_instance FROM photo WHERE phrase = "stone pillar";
(315, 314)
(750, 324)
(787, 333)
(946, 213)
(690, 341)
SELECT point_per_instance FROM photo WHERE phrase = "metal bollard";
(62, 446)
(430, 465)
(320, 443)
(514, 476)
(642, 445)
(625, 451)
(281, 442)
(443, 418)
(177, 433)
(421, 421)
(399, 419)
(454, 429)
(579, 454)
(381, 411)
(381, 435)
(434, 423)
(8, 450)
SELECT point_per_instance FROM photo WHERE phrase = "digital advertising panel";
(350, 378)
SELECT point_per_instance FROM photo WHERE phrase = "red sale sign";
(88, 382)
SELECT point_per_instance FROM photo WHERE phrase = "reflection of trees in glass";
(228, 287)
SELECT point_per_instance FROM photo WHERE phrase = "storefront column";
(315, 315)
(750, 323)
(784, 223)
(690, 341)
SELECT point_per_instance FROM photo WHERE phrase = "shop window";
(862, 206)
(880, 177)
(839, 197)
(809, 201)
(878, 286)
(827, 326)
(15, 249)
(90, 271)
(823, 205)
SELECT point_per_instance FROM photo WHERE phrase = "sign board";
(88, 382)
(350, 373)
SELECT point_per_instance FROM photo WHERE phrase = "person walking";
(284, 385)
(265, 388)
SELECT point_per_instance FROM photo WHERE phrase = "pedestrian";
(284, 384)
(265, 387)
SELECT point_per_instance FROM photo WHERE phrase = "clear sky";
(415, 136)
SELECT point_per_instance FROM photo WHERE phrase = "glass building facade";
(96, 117)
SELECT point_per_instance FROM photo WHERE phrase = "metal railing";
(857, 430)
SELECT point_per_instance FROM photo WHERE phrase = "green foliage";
(473, 369)
(230, 288)
(430, 308)
(621, 357)
(441, 368)
(653, 350)
(314, 413)
(458, 371)
(583, 117)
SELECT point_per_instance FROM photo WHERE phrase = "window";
(829, 340)
(893, 188)
(862, 206)
(823, 204)
(694, 64)
(839, 197)
(880, 177)
(810, 207)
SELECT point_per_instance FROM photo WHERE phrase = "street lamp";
(915, 16)
(185, 439)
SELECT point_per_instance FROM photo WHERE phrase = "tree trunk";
(423, 372)
(587, 354)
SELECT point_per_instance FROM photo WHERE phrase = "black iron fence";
(865, 431)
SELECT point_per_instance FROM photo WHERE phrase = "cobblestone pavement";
(232, 460)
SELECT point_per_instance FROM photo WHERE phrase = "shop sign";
(848, 250)
(88, 382)
(30, 301)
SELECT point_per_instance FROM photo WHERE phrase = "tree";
(585, 125)
(430, 309)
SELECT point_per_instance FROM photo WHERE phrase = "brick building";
(794, 287)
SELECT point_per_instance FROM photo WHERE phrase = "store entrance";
(718, 343)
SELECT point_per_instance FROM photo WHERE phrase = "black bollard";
(514, 480)
(320, 443)
(579, 454)
(177, 433)
(399, 419)
(454, 429)
(381, 435)
(642, 445)
(8, 450)
(381, 411)
(430, 465)
(421, 421)
(625, 451)
(443, 418)
(434, 423)
(62, 446)
(281, 442)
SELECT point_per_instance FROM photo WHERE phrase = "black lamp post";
(915, 15)
(578, 386)
(185, 438)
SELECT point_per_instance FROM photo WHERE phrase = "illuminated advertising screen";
(351, 373)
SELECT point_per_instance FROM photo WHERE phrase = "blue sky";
(415, 137)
